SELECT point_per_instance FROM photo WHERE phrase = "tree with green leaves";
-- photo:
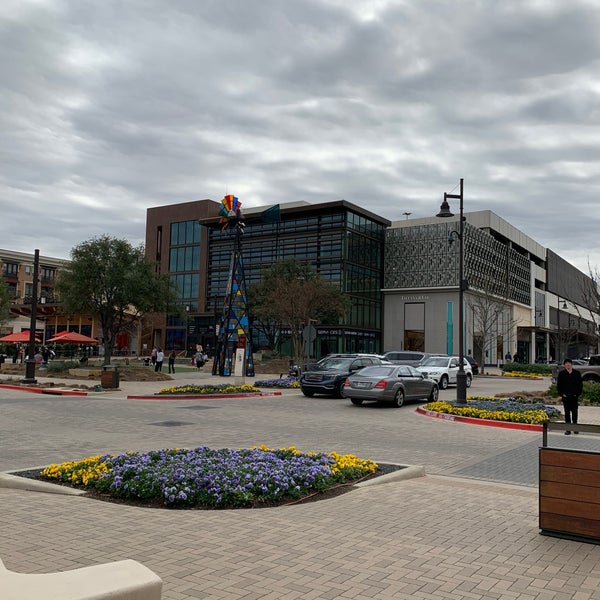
(291, 295)
(4, 302)
(112, 280)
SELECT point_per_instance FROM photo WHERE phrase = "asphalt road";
(36, 430)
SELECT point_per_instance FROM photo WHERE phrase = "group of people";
(157, 357)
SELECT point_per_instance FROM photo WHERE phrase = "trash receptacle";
(110, 376)
(146, 361)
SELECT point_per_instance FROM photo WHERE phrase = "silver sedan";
(389, 383)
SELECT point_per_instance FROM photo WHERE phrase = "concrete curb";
(15, 482)
(474, 421)
(406, 472)
(37, 390)
(200, 396)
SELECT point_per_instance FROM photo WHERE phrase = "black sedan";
(389, 383)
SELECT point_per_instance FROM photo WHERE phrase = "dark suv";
(328, 375)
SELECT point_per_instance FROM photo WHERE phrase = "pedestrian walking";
(153, 356)
(160, 357)
(569, 385)
(172, 362)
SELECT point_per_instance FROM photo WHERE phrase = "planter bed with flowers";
(512, 413)
(205, 478)
(197, 392)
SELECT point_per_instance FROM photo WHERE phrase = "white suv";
(443, 370)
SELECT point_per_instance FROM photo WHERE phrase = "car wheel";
(399, 398)
(308, 394)
(356, 401)
(444, 382)
(469, 380)
(435, 394)
(339, 393)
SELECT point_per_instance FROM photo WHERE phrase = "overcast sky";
(111, 107)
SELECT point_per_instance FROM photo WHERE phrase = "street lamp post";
(558, 328)
(30, 362)
(461, 376)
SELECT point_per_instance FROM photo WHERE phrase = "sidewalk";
(430, 537)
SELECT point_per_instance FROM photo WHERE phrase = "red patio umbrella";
(72, 337)
(17, 337)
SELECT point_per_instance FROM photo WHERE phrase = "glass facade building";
(343, 243)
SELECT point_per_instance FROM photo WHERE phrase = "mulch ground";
(125, 374)
(130, 373)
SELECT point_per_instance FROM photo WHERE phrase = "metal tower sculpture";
(234, 344)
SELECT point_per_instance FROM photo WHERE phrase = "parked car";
(474, 365)
(405, 357)
(581, 361)
(443, 370)
(329, 374)
(389, 383)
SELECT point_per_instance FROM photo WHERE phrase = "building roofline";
(187, 203)
(303, 207)
(26, 257)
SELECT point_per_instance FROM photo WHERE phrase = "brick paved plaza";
(468, 529)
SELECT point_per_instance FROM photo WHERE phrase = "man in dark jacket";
(569, 386)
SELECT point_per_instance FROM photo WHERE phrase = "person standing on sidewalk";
(172, 362)
(569, 386)
(160, 357)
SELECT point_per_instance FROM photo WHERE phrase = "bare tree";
(487, 310)
(291, 295)
(589, 290)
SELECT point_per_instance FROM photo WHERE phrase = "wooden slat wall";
(570, 492)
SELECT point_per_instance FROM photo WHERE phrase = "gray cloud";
(109, 108)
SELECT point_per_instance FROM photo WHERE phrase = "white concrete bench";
(122, 580)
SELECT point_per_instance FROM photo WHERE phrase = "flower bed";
(521, 375)
(512, 410)
(206, 478)
(223, 388)
(282, 382)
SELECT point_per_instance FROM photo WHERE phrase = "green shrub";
(535, 369)
(591, 392)
(60, 366)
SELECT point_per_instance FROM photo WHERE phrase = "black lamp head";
(445, 209)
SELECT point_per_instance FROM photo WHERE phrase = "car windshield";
(331, 364)
(377, 371)
(435, 361)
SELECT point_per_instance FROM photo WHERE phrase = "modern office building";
(401, 278)
(178, 245)
(522, 298)
(341, 241)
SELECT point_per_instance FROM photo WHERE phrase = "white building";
(522, 298)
